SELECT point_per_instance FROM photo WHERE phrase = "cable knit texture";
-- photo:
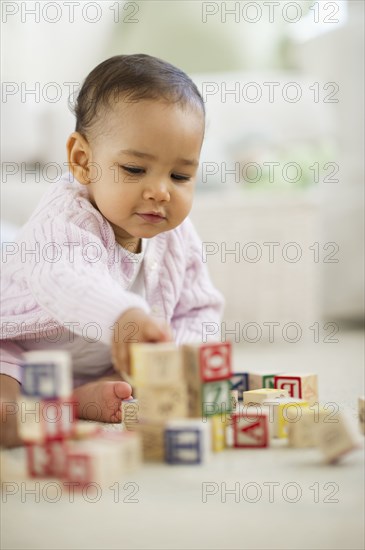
(66, 270)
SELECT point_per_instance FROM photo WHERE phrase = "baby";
(109, 256)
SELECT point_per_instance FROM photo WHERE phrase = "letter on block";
(239, 381)
(362, 414)
(156, 365)
(258, 396)
(46, 374)
(304, 386)
(48, 459)
(216, 398)
(336, 439)
(250, 428)
(257, 380)
(207, 362)
(187, 441)
(159, 404)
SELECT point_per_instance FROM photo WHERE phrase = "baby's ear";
(79, 157)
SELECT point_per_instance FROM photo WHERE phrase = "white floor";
(285, 498)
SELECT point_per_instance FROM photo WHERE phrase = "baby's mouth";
(151, 217)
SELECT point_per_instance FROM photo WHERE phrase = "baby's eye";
(180, 177)
(133, 169)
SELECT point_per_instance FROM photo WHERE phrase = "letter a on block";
(250, 430)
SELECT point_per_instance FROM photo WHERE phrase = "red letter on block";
(215, 362)
(250, 429)
(291, 383)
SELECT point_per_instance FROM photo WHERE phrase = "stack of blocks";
(57, 445)
(208, 370)
(160, 388)
(178, 390)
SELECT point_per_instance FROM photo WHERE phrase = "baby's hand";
(135, 326)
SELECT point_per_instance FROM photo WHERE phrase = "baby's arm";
(77, 291)
(200, 306)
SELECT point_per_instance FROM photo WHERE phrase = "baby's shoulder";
(66, 196)
(66, 203)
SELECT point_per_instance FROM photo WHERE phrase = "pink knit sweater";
(66, 270)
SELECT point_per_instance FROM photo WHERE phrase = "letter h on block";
(183, 446)
(251, 428)
(186, 442)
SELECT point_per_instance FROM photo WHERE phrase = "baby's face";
(147, 154)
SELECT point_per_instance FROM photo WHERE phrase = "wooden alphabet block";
(257, 380)
(216, 398)
(281, 411)
(47, 459)
(218, 425)
(187, 441)
(250, 428)
(207, 362)
(130, 413)
(93, 461)
(239, 382)
(153, 441)
(258, 396)
(157, 405)
(361, 404)
(156, 365)
(46, 420)
(303, 386)
(129, 445)
(336, 438)
(195, 406)
(303, 430)
(46, 374)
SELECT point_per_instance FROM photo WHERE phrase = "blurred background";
(279, 203)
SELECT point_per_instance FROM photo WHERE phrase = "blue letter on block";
(183, 446)
(239, 382)
(39, 380)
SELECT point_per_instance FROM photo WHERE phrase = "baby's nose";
(158, 191)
